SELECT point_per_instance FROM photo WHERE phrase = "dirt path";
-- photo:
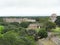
(56, 40)
(46, 42)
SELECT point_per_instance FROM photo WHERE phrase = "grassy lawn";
(56, 30)
(37, 30)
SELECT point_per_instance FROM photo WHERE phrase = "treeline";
(16, 33)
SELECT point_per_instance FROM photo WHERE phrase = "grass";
(56, 30)
(37, 30)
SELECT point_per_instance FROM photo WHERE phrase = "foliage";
(1, 19)
(14, 23)
(9, 28)
(42, 33)
(58, 21)
(31, 32)
(19, 37)
(1, 29)
(42, 19)
(50, 25)
(24, 24)
(57, 30)
(4, 23)
(16, 34)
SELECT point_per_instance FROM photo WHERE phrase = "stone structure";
(19, 20)
(34, 26)
(53, 17)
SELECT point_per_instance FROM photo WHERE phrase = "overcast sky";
(29, 7)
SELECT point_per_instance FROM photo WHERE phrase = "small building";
(34, 26)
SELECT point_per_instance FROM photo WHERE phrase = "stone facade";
(34, 26)
(19, 20)
(53, 17)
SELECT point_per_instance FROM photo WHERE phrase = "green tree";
(13, 38)
(24, 24)
(1, 19)
(42, 33)
(58, 21)
(42, 19)
(14, 23)
(50, 25)
(4, 23)
(1, 29)
(31, 32)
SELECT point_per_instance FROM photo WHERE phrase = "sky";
(29, 7)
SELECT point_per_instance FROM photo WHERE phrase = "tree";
(42, 33)
(1, 29)
(14, 23)
(42, 19)
(13, 38)
(50, 25)
(1, 19)
(31, 32)
(24, 24)
(4, 23)
(58, 21)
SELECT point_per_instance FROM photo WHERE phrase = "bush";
(24, 24)
(31, 32)
(58, 21)
(1, 29)
(42, 33)
(13, 38)
(50, 25)
(14, 23)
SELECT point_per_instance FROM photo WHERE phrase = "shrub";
(1, 29)
(42, 33)
(24, 24)
(50, 25)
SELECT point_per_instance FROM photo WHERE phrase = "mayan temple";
(53, 17)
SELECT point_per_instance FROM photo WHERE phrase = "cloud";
(29, 7)
(29, 3)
